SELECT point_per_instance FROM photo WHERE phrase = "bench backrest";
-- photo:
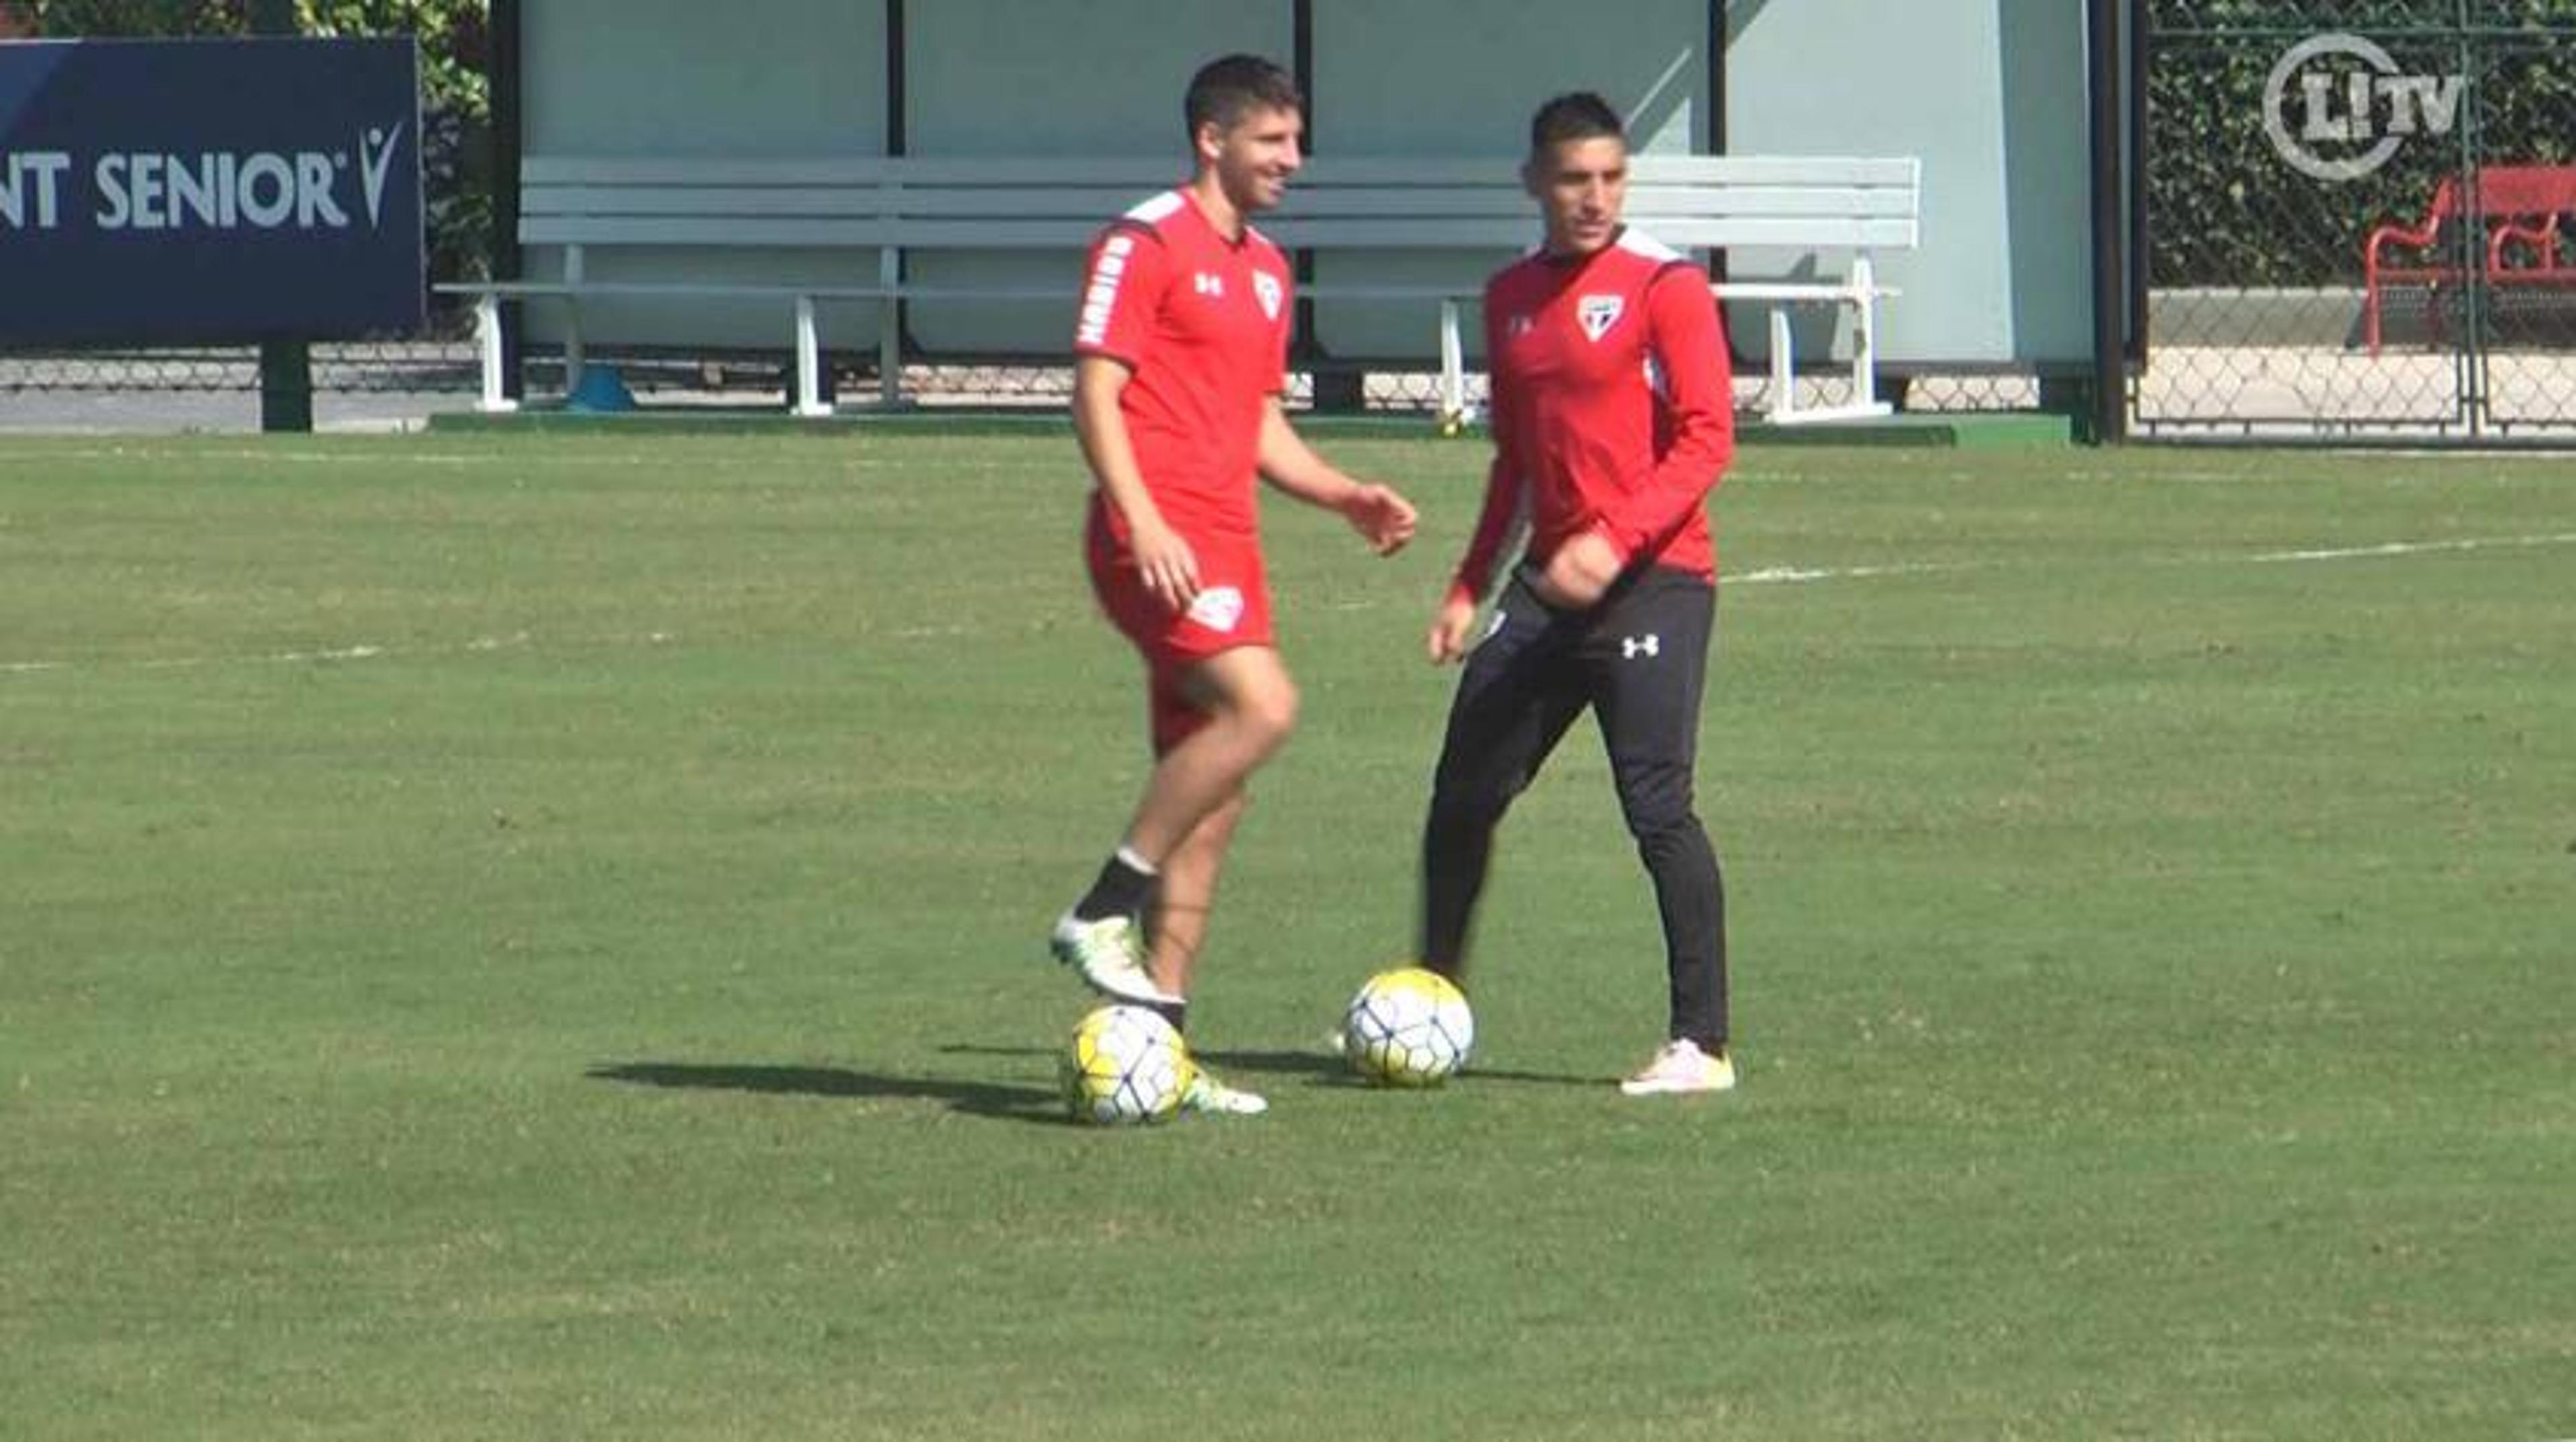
(1689, 201)
(2508, 192)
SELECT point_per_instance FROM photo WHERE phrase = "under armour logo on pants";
(1632, 647)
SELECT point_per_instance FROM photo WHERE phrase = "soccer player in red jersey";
(1613, 419)
(1180, 359)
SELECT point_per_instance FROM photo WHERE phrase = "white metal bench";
(1798, 203)
(879, 211)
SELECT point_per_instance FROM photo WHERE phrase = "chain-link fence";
(2354, 212)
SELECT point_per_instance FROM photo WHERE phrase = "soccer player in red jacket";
(1180, 356)
(1613, 419)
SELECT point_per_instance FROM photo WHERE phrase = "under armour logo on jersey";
(1266, 286)
(1598, 313)
(1208, 283)
(1517, 326)
(1218, 608)
(1632, 647)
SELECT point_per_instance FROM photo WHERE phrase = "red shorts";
(1232, 609)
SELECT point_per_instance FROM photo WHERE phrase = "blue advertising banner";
(172, 191)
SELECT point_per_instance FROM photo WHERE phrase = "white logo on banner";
(375, 158)
(2416, 105)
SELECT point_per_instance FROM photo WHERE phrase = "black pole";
(2139, 47)
(2110, 293)
(285, 363)
(1330, 390)
(505, 64)
(1712, 133)
(898, 141)
(898, 101)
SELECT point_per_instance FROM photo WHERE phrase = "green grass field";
(538, 936)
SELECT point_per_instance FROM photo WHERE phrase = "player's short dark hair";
(1575, 115)
(1231, 87)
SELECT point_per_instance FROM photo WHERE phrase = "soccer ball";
(1409, 1027)
(1125, 1065)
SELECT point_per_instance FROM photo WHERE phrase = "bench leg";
(890, 327)
(572, 349)
(575, 272)
(1864, 280)
(809, 362)
(1784, 376)
(487, 341)
(1453, 369)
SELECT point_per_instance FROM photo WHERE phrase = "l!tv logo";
(2337, 106)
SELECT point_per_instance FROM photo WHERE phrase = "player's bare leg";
(1188, 892)
(1180, 922)
(1252, 707)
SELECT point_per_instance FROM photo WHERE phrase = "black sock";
(1125, 881)
(1175, 1012)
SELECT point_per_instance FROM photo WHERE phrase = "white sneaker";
(1206, 1094)
(1110, 955)
(1681, 1067)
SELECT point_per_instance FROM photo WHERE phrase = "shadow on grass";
(1320, 1068)
(984, 1099)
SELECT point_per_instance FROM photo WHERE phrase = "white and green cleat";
(1206, 1094)
(1109, 955)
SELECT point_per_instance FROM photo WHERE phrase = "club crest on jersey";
(1219, 608)
(1266, 286)
(1598, 313)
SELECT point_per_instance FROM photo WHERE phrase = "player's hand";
(1383, 518)
(1169, 566)
(1580, 571)
(1449, 630)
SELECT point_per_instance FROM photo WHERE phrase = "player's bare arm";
(1383, 517)
(1170, 568)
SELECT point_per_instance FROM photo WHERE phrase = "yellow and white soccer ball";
(1124, 1066)
(1409, 1027)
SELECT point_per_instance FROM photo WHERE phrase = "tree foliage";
(2225, 209)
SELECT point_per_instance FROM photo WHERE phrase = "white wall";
(1461, 79)
(1054, 77)
(685, 78)
(1990, 93)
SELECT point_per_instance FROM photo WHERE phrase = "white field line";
(1791, 575)
(324, 656)
(1768, 576)
(1798, 575)
(2414, 548)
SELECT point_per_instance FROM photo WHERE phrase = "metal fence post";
(285, 364)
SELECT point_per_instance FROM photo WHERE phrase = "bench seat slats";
(883, 208)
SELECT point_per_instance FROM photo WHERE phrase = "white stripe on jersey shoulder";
(1637, 242)
(1155, 209)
